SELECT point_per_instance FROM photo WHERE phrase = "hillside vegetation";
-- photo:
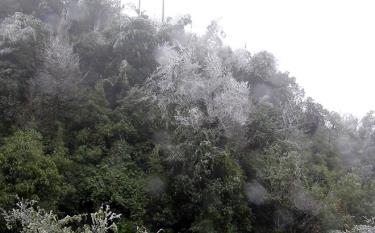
(172, 130)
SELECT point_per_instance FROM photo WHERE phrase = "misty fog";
(180, 117)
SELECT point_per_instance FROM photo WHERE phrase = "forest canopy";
(172, 130)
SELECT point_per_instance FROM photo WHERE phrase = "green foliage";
(119, 188)
(173, 130)
(26, 171)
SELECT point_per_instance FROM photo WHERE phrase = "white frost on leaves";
(195, 116)
(242, 59)
(17, 29)
(59, 74)
(34, 219)
(368, 228)
(181, 81)
(231, 102)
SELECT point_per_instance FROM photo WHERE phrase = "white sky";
(328, 45)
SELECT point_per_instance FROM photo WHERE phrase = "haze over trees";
(172, 130)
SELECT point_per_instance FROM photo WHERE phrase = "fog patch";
(52, 19)
(162, 137)
(365, 172)
(303, 201)
(166, 56)
(283, 218)
(349, 154)
(256, 193)
(261, 91)
(77, 10)
(155, 186)
(164, 141)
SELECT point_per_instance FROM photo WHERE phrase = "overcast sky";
(328, 45)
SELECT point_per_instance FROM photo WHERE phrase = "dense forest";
(170, 129)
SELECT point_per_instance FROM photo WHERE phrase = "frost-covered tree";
(59, 76)
(32, 219)
(199, 91)
(367, 227)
